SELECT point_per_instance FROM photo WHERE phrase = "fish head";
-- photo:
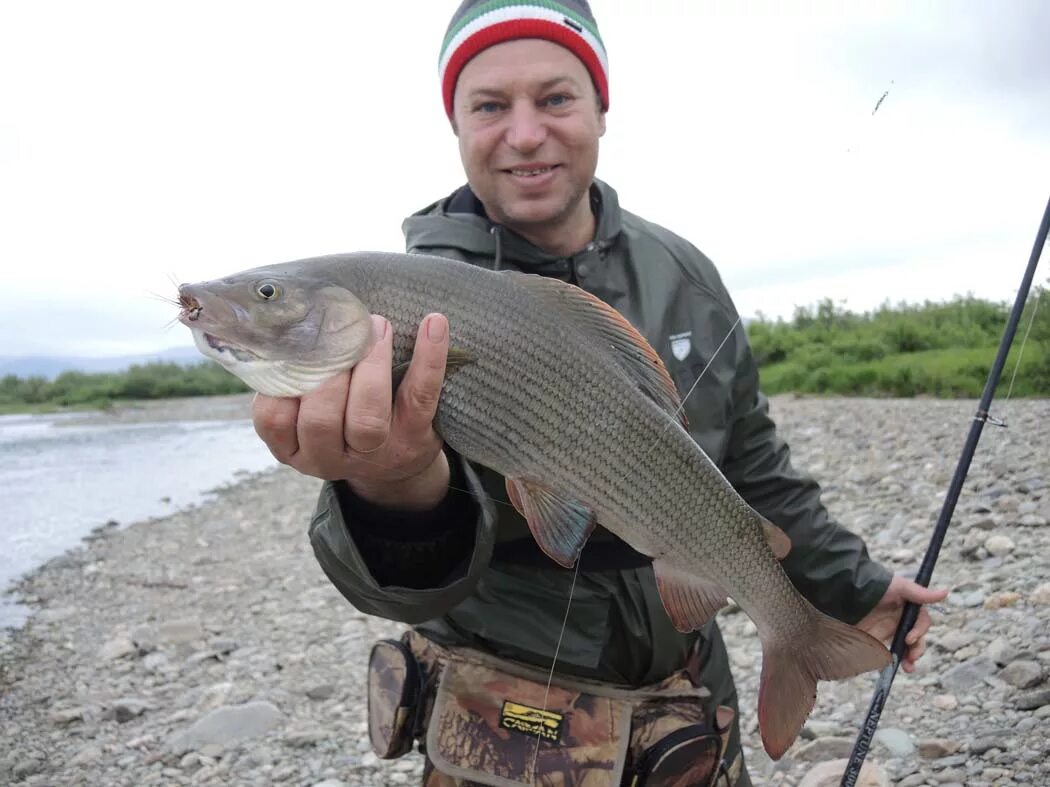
(283, 329)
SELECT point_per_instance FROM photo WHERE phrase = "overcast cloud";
(141, 140)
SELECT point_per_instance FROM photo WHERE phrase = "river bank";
(143, 632)
(67, 476)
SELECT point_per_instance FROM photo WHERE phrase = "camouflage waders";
(486, 721)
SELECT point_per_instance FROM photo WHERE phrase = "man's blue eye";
(558, 100)
(488, 107)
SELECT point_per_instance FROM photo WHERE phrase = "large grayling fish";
(555, 390)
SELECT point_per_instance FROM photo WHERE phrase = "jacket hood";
(459, 221)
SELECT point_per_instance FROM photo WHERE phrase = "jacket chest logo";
(681, 344)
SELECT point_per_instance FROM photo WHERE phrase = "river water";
(63, 475)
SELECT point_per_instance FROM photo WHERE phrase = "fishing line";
(557, 650)
(708, 366)
(579, 557)
(672, 420)
(1020, 352)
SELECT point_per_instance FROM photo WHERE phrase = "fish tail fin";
(826, 650)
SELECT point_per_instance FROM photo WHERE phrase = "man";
(407, 530)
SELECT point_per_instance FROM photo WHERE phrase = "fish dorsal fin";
(560, 527)
(690, 601)
(631, 350)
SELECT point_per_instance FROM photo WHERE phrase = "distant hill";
(51, 366)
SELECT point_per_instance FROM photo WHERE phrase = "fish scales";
(549, 411)
(548, 401)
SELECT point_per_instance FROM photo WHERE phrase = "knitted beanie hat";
(479, 24)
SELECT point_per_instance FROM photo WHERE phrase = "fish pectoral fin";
(561, 527)
(777, 539)
(631, 351)
(456, 360)
(690, 601)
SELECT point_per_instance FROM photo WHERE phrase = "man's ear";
(601, 123)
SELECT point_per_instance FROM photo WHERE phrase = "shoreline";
(220, 607)
(219, 409)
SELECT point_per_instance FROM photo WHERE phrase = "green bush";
(148, 381)
(938, 349)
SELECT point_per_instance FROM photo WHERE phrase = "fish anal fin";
(456, 360)
(632, 351)
(777, 539)
(828, 649)
(561, 527)
(690, 602)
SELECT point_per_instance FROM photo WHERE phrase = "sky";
(143, 143)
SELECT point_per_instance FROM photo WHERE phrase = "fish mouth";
(190, 308)
(222, 349)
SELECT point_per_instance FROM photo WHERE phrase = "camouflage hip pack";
(488, 721)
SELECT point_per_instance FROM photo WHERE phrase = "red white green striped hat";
(479, 24)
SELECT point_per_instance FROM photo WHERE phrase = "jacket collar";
(459, 221)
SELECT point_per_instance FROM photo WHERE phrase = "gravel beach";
(208, 647)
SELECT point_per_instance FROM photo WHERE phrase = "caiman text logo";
(545, 724)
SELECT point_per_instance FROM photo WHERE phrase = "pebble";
(945, 702)
(898, 742)
(1001, 651)
(999, 600)
(117, 648)
(969, 674)
(829, 774)
(167, 619)
(999, 545)
(180, 632)
(936, 748)
(323, 691)
(1032, 700)
(1041, 595)
(823, 749)
(952, 641)
(1023, 674)
(226, 725)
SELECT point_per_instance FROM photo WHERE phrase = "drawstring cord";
(499, 246)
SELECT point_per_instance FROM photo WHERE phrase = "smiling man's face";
(528, 120)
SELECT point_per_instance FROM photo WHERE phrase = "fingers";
(275, 422)
(418, 394)
(917, 594)
(916, 640)
(319, 428)
(367, 423)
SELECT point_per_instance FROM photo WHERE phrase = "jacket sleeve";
(401, 565)
(828, 564)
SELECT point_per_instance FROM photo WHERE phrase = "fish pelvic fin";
(828, 649)
(631, 351)
(561, 527)
(689, 601)
(777, 539)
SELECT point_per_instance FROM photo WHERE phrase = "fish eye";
(267, 291)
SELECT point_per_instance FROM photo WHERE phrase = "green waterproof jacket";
(470, 573)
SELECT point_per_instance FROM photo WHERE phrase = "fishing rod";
(911, 611)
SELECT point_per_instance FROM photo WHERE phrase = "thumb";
(917, 594)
